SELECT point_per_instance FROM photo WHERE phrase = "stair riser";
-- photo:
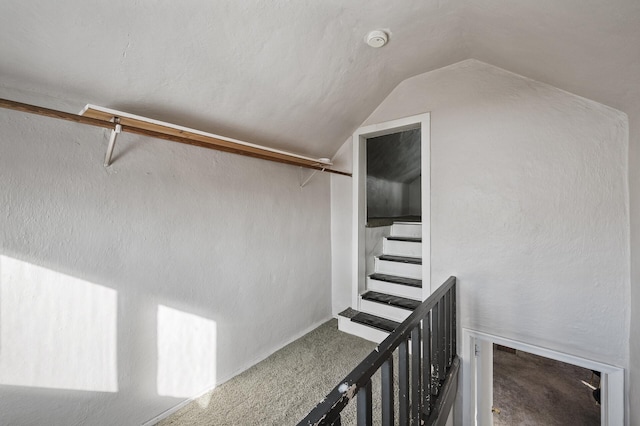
(399, 269)
(385, 311)
(402, 248)
(361, 330)
(413, 230)
(414, 293)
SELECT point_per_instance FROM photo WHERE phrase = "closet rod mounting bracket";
(112, 141)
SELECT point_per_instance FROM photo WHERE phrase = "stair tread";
(401, 259)
(405, 239)
(375, 322)
(388, 299)
(348, 313)
(412, 282)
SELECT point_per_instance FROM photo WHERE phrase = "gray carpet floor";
(532, 390)
(283, 388)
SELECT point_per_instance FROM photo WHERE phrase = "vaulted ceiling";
(298, 75)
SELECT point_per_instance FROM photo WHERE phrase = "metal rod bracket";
(304, 182)
(112, 141)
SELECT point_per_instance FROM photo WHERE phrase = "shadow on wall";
(60, 332)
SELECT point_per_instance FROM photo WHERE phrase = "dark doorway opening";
(394, 178)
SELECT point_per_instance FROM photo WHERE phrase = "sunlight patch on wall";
(186, 353)
(56, 331)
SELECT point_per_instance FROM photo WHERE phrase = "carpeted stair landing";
(283, 388)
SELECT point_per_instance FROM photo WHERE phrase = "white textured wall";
(173, 265)
(373, 244)
(341, 256)
(529, 206)
(634, 339)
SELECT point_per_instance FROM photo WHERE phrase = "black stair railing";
(427, 370)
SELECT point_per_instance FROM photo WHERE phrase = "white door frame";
(477, 378)
(423, 122)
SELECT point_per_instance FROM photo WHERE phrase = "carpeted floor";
(532, 390)
(283, 388)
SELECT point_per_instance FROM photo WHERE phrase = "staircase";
(393, 290)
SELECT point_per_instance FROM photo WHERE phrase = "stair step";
(375, 322)
(407, 239)
(348, 313)
(406, 229)
(362, 330)
(401, 259)
(412, 282)
(387, 299)
(402, 246)
(366, 326)
(410, 290)
(400, 266)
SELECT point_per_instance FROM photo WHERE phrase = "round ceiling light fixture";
(377, 38)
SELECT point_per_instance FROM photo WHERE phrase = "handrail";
(435, 319)
(99, 117)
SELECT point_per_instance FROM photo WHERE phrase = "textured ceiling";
(297, 75)
(587, 47)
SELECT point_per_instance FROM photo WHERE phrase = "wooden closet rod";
(182, 135)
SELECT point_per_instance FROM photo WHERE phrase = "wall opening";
(394, 178)
(478, 379)
(404, 131)
(531, 389)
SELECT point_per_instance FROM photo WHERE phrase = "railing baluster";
(416, 398)
(365, 417)
(453, 322)
(447, 332)
(441, 335)
(403, 382)
(426, 365)
(387, 392)
(435, 333)
(452, 331)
